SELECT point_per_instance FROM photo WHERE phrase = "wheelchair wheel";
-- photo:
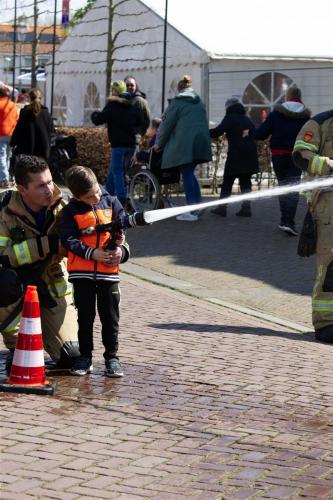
(144, 191)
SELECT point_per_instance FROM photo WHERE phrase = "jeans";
(115, 182)
(4, 154)
(191, 185)
(287, 173)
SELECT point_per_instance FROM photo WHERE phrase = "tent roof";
(266, 29)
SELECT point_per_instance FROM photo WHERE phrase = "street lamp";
(21, 32)
(7, 62)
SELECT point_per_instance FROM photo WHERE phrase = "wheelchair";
(150, 186)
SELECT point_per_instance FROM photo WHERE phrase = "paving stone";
(213, 405)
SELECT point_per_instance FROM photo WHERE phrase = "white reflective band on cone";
(30, 326)
(28, 359)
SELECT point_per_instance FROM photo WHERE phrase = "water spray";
(143, 218)
(165, 213)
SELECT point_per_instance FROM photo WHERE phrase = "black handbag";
(308, 236)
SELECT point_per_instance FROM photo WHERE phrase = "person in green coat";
(184, 140)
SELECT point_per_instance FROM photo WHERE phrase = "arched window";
(263, 93)
(60, 109)
(91, 102)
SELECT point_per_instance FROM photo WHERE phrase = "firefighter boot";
(325, 334)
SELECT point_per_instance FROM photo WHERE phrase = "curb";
(191, 290)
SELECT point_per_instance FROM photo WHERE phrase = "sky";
(255, 27)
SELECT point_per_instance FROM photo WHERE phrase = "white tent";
(259, 80)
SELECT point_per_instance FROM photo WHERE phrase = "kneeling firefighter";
(313, 152)
(30, 253)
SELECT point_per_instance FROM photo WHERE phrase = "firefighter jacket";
(23, 246)
(313, 149)
(77, 217)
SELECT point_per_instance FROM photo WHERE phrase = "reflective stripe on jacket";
(34, 247)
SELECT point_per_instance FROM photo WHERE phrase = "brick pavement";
(247, 262)
(214, 405)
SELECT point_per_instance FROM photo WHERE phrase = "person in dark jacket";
(93, 266)
(122, 119)
(283, 125)
(242, 159)
(140, 102)
(32, 134)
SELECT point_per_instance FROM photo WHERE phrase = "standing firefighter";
(313, 152)
(30, 254)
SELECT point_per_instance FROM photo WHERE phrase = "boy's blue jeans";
(115, 182)
(191, 185)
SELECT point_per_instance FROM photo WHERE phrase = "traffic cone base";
(47, 389)
(27, 373)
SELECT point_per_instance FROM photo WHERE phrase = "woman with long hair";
(33, 131)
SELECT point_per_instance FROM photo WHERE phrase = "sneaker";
(82, 366)
(221, 211)
(113, 368)
(289, 229)
(187, 217)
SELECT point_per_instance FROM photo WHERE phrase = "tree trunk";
(109, 52)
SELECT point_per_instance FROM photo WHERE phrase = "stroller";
(63, 152)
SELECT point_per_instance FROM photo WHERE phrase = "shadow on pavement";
(238, 330)
(252, 247)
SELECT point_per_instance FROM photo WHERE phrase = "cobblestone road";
(214, 405)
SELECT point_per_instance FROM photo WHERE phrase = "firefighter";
(313, 152)
(30, 253)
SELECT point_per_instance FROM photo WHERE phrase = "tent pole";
(164, 52)
(53, 53)
(14, 45)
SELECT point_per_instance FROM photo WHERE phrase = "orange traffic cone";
(28, 370)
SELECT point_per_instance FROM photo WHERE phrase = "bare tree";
(114, 37)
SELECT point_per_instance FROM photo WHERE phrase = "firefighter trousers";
(322, 298)
(59, 329)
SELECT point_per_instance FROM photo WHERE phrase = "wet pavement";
(214, 404)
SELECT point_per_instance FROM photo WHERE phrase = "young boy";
(92, 267)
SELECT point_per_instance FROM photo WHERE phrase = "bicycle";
(149, 186)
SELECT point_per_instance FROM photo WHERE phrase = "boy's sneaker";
(113, 368)
(82, 366)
